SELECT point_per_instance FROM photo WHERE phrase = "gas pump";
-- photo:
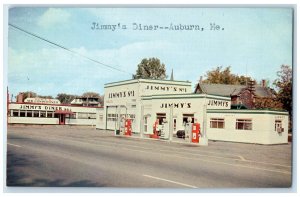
(165, 130)
(188, 130)
(155, 130)
(128, 127)
(121, 130)
(196, 132)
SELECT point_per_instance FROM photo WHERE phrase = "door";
(62, 119)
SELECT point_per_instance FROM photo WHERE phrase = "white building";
(51, 114)
(144, 101)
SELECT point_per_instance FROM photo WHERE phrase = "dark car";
(180, 134)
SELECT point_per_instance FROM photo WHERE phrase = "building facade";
(172, 103)
(51, 114)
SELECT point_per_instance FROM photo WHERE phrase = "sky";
(255, 42)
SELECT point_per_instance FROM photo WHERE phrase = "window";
(101, 117)
(35, 113)
(145, 123)
(50, 114)
(278, 126)
(16, 113)
(160, 117)
(22, 113)
(86, 115)
(43, 114)
(185, 118)
(29, 113)
(243, 124)
(217, 123)
(112, 117)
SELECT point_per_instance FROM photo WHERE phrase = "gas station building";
(175, 106)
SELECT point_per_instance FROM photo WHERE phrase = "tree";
(46, 97)
(150, 68)
(91, 94)
(284, 86)
(267, 102)
(65, 98)
(225, 76)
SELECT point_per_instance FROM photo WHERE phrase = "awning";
(63, 112)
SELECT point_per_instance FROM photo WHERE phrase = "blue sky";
(255, 41)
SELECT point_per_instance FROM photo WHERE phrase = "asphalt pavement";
(86, 157)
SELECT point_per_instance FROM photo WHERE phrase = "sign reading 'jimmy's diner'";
(44, 107)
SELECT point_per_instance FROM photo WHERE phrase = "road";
(83, 157)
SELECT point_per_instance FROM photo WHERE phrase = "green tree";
(284, 87)
(91, 94)
(267, 102)
(150, 68)
(225, 76)
(65, 98)
(46, 97)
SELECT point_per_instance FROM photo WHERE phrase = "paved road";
(58, 156)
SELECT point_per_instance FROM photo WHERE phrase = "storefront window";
(160, 117)
(50, 114)
(35, 113)
(16, 113)
(43, 114)
(243, 124)
(185, 118)
(22, 113)
(217, 123)
(29, 113)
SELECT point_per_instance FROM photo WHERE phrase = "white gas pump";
(188, 130)
(165, 130)
(122, 125)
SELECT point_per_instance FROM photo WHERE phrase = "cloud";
(53, 17)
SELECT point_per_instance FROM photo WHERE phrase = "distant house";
(86, 101)
(242, 96)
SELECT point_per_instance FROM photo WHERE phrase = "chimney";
(172, 77)
(263, 83)
(20, 97)
(251, 86)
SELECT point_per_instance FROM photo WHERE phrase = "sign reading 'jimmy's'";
(121, 94)
(166, 88)
(218, 103)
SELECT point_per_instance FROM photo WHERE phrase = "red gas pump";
(155, 130)
(128, 127)
(195, 132)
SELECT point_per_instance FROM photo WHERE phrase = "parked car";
(181, 134)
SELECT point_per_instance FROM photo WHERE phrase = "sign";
(166, 88)
(42, 100)
(121, 94)
(218, 103)
(44, 107)
(176, 105)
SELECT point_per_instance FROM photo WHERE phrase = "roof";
(155, 81)
(229, 90)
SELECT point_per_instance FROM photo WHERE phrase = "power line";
(67, 49)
